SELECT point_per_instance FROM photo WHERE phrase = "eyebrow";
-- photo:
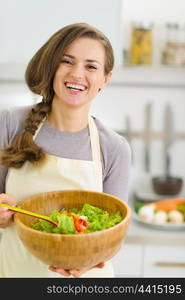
(88, 60)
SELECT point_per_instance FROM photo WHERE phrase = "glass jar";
(141, 44)
(174, 52)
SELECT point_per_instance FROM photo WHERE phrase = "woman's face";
(80, 74)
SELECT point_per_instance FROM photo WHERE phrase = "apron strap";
(95, 142)
(39, 127)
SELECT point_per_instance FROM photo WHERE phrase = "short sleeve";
(4, 142)
(10, 125)
(4, 129)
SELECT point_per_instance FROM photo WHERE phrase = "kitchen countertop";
(141, 234)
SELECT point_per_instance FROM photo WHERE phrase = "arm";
(4, 141)
(5, 215)
(116, 180)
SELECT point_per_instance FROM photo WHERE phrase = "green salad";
(73, 221)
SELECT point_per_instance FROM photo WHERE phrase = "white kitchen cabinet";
(148, 252)
(128, 262)
(135, 260)
(164, 261)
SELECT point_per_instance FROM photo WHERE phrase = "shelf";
(128, 76)
(139, 76)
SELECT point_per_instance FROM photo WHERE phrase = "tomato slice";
(80, 223)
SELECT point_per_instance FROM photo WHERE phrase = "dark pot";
(163, 185)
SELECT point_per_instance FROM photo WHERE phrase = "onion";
(146, 212)
(175, 216)
(160, 217)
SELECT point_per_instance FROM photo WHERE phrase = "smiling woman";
(56, 144)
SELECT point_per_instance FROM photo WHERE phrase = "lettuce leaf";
(66, 225)
(97, 219)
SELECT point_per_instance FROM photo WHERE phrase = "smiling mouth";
(75, 87)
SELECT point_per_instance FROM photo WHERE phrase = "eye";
(92, 67)
(65, 61)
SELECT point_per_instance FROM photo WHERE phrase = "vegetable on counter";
(87, 220)
(169, 204)
(162, 212)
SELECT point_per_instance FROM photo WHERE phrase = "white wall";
(26, 25)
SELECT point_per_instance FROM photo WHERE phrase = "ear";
(107, 78)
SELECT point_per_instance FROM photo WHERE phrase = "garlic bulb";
(146, 212)
(175, 216)
(160, 217)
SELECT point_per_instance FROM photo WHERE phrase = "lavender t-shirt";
(116, 154)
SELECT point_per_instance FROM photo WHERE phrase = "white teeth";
(75, 86)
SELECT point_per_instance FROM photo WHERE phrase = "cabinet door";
(164, 261)
(128, 261)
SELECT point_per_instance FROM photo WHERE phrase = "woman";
(55, 144)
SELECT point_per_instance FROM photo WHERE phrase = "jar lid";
(171, 25)
(142, 24)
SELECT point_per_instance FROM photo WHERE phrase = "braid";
(23, 148)
(36, 115)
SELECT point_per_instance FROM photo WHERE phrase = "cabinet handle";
(170, 264)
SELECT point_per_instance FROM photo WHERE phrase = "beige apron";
(55, 174)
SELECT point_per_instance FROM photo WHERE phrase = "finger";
(8, 199)
(100, 265)
(3, 209)
(4, 219)
(5, 222)
(2, 226)
(6, 214)
(60, 271)
(78, 273)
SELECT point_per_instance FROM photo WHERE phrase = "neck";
(67, 119)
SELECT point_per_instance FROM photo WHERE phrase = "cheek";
(98, 81)
(56, 81)
(54, 85)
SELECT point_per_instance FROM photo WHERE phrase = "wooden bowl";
(72, 251)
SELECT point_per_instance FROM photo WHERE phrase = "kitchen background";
(148, 38)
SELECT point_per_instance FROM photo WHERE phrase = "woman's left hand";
(74, 272)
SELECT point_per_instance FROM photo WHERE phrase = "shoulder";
(12, 119)
(116, 154)
(111, 140)
(116, 151)
(17, 113)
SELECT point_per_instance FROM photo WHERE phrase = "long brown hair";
(39, 77)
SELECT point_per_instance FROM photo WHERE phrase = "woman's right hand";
(5, 214)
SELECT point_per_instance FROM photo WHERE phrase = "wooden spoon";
(28, 213)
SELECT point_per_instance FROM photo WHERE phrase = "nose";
(77, 72)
